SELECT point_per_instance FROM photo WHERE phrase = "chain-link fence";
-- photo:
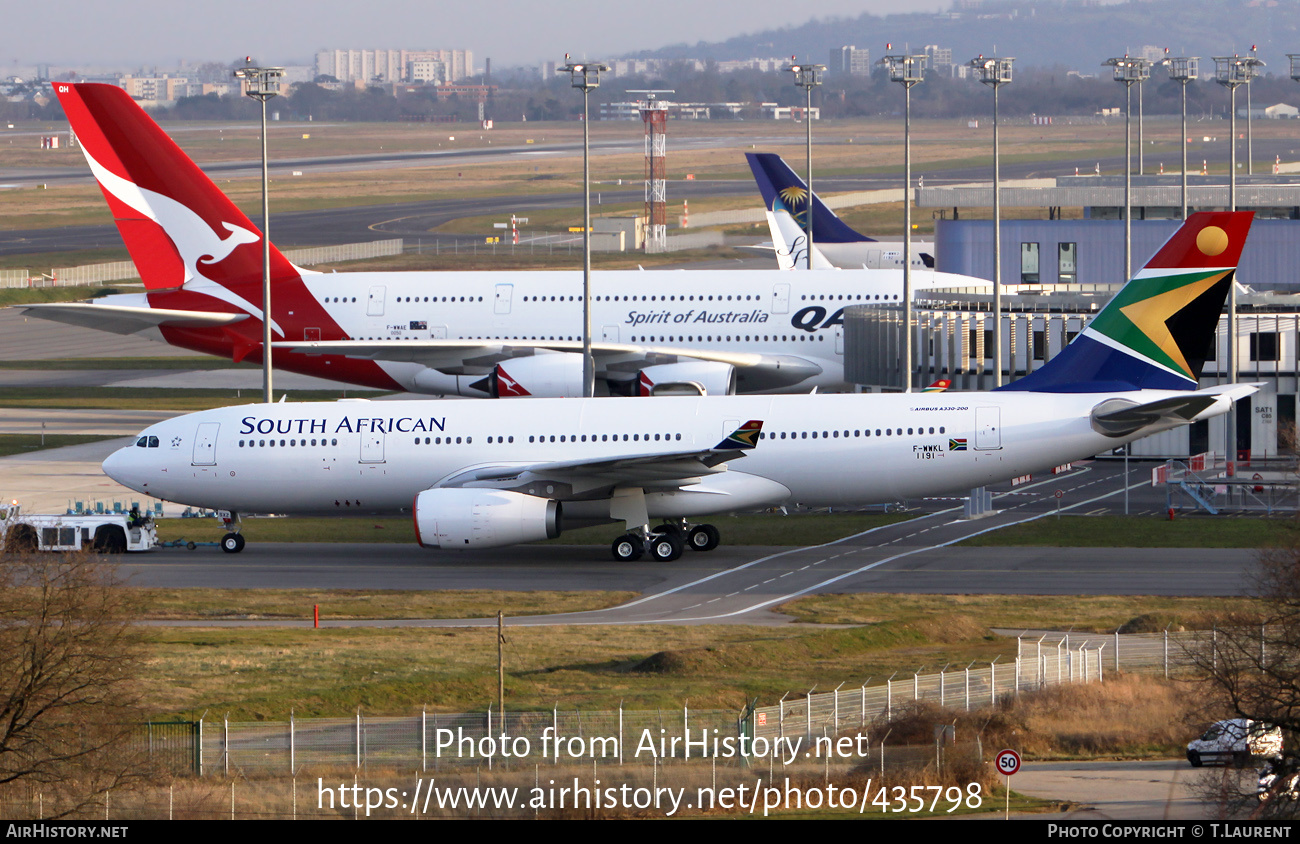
(88, 274)
(344, 252)
(439, 741)
(13, 278)
(1043, 658)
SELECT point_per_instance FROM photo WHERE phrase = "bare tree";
(1253, 665)
(69, 657)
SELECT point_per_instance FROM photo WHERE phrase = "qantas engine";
(483, 518)
(690, 377)
(557, 375)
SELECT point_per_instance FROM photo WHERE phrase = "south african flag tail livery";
(1158, 330)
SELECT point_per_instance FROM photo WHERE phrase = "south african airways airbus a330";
(476, 334)
(481, 474)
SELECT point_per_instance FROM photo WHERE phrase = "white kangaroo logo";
(195, 240)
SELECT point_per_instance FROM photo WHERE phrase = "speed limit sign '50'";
(1008, 762)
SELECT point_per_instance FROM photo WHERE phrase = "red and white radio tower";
(655, 117)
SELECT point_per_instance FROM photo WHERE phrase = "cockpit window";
(142, 442)
(153, 442)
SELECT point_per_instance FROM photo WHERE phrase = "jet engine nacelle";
(716, 379)
(557, 376)
(483, 518)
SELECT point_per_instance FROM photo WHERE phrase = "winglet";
(745, 437)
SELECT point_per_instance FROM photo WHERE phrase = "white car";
(1235, 742)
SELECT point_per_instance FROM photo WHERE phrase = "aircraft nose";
(120, 467)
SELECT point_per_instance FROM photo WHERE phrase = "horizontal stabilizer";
(1121, 417)
(122, 319)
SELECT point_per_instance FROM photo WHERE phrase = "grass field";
(1187, 531)
(27, 443)
(259, 674)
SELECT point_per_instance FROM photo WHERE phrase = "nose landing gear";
(233, 541)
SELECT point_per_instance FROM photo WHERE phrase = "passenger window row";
(828, 435)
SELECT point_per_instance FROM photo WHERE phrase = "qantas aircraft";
(447, 333)
(787, 202)
(474, 475)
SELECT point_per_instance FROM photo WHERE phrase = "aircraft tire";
(672, 529)
(232, 543)
(665, 547)
(628, 548)
(703, 538)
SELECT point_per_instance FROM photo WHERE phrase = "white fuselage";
(790, 315)
(356, 456)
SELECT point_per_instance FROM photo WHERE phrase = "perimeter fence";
(442, 741)
(537, 244)
(88, 274)
(1043, 658)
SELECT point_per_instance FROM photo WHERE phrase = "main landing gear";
(233, 541)
(664, 543)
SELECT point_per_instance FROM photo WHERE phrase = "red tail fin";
(176, 223)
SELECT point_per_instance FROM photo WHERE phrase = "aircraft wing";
(670, 469)
(469, 357)
(122, 319)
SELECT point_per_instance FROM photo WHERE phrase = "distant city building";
(425, 70)
(939, 59)
(850, 61)
(762, 65)
(1280, 111)
(772, 111)
(647, 67)
(389, 66)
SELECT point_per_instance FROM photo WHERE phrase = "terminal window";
(1067, 262)
(1264, 346)
(1028, 263)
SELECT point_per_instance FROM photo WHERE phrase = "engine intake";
(483, 518)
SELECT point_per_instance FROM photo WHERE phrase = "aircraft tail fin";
(781, 187)
(177, 225)
(1156, 332)
(791, 244)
